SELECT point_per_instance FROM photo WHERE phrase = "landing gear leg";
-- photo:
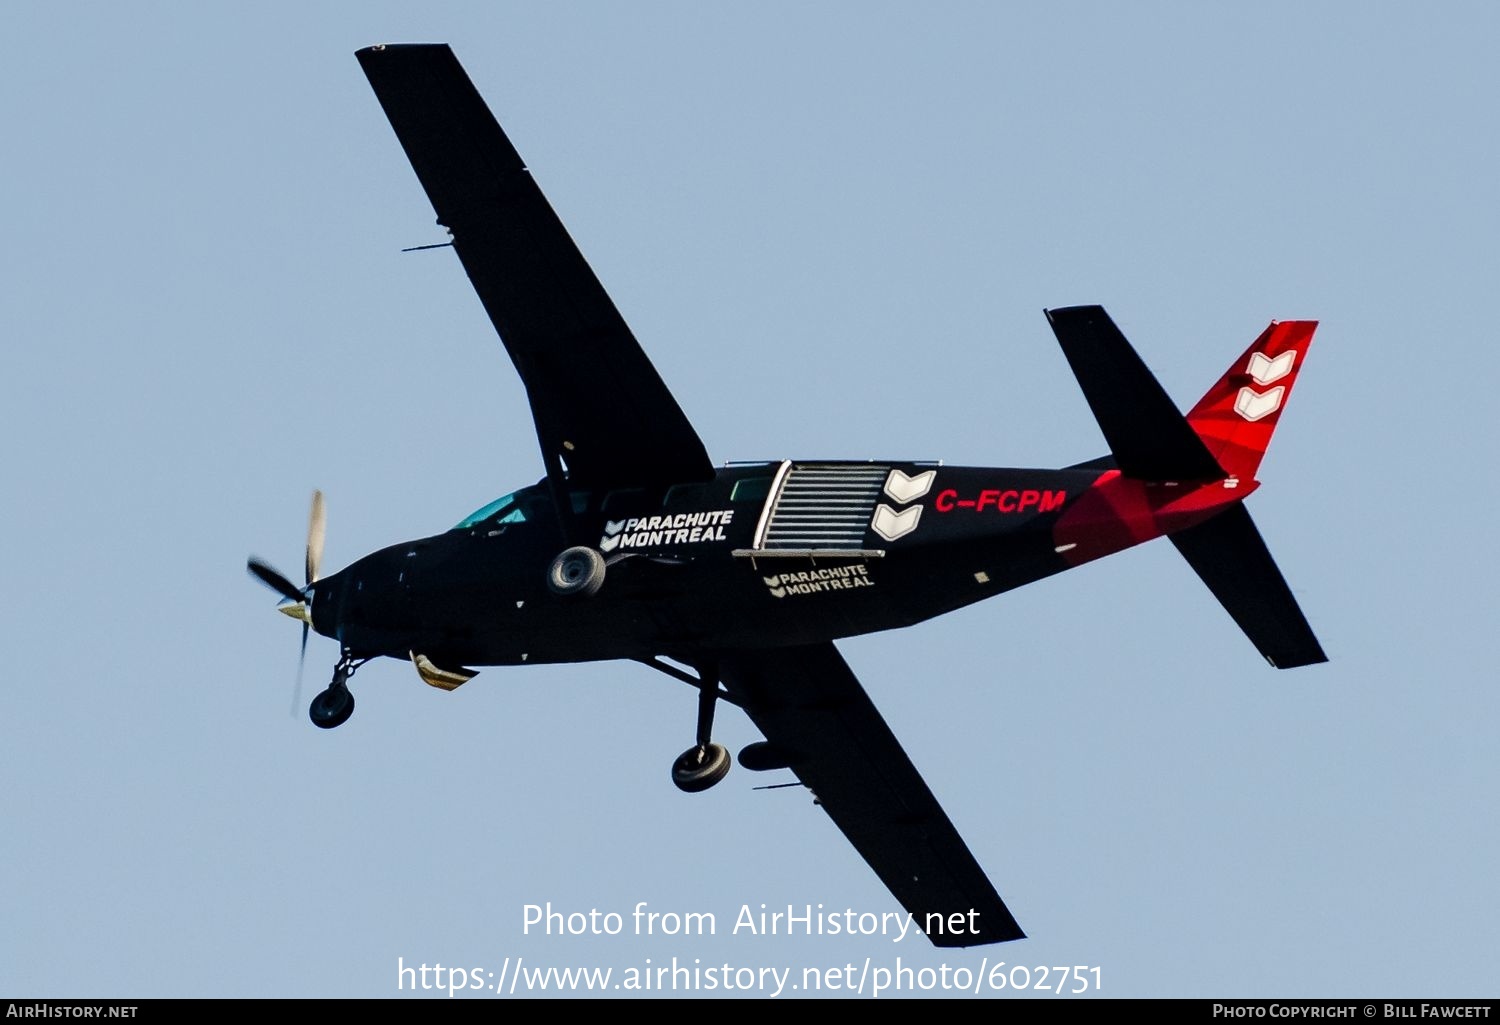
(334, 706)
(705, 764)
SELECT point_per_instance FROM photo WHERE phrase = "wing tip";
(1299, 659)
(954, 941)
(367, 52)
(1056, 313)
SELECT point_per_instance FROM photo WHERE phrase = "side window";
(751, 489)
(534, 504)
(684, 494)
(624, 500)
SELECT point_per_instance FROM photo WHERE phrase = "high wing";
(600, 407)
(812, 709)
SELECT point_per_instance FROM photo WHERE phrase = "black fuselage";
(765, 554)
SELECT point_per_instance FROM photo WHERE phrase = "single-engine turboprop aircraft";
(739, 579)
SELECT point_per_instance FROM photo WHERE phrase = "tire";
(331, 708)
(577, 572)
(699, 768)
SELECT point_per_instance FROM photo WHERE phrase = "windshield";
(516, 507)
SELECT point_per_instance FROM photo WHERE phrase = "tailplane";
(1229, 557)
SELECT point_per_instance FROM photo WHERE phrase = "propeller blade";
(274, 580)
(301, 660)
(316, 524)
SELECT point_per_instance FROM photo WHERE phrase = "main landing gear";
(576, 572)
(700, 767)
(334, 706)
(705, 763)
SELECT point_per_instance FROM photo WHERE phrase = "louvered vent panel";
(825, 507)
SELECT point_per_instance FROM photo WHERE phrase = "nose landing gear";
(333, 706)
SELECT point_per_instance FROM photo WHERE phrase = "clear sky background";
(833, 227)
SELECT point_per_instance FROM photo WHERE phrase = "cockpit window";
(516, 507)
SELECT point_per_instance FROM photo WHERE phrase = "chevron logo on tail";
(1265, 370)
(1254, 405)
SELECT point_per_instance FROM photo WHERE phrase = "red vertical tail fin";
(1237, 416)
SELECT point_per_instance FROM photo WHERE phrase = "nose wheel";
(334, 705)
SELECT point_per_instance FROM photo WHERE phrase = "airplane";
(738, 579)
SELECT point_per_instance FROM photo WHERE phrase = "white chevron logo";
(1265, 370)
(611, 539)
(890, 524)
(908, 489)
(1253, 405)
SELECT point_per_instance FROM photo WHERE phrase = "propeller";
(274, 580)
(316, 524)
(297, 603)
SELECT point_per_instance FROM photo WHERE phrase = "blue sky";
(833, 227)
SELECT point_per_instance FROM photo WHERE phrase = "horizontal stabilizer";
(1147, 434)
(1228, 554)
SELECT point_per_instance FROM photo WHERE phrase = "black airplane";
(738, 579)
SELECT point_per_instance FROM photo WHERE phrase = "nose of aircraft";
(320, 608)
(299, 610)
(298, 603)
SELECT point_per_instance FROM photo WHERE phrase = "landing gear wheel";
(699, 768)
(577, 571)
(332, 707)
